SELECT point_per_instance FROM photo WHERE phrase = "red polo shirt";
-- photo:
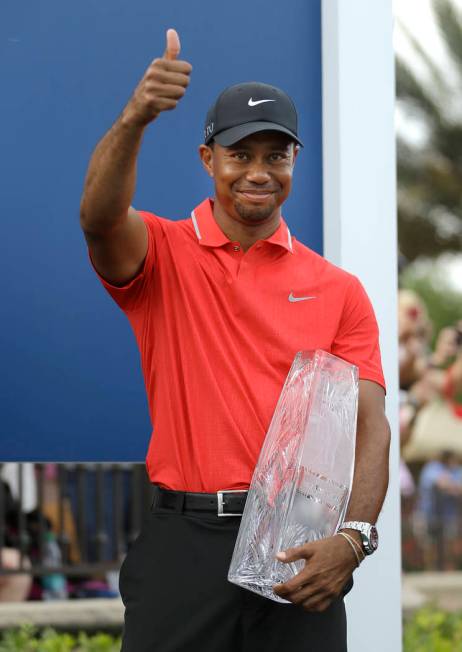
(218, 329)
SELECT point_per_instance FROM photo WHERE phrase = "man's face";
(253, 177)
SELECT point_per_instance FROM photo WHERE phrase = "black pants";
(177, 597)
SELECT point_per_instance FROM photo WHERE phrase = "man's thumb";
(291, 554)
(172, 49)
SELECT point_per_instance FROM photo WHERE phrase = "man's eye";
(241, 156)
(277, 156)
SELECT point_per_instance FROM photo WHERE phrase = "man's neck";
(246, 234)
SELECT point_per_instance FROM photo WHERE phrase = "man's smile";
(255, 195)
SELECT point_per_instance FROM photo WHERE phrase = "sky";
(417, 16)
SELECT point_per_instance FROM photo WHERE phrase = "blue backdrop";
(71, 386)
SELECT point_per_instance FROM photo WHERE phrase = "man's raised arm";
(115, 233)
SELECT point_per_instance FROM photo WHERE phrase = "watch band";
(355, 525)
(368, 532)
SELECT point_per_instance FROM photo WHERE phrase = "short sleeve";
(357, 339)
(132, 296)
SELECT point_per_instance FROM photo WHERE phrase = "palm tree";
(430, 171)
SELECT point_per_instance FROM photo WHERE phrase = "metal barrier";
(85, 518)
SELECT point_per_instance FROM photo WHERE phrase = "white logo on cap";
(254, 103)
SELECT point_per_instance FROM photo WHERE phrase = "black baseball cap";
(248, 108)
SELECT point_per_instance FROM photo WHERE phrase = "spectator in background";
(414, 329)
(426, 375)
(443, 376)
(15, 587)
(439, 508)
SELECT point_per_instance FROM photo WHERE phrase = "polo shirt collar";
(209, 233)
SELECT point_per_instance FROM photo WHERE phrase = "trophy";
(302, 481)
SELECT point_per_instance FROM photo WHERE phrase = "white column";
(360, 236)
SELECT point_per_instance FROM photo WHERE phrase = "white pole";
(360, 236)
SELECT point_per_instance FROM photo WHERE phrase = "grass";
(427, 630)
(433, 630)
(29, 639)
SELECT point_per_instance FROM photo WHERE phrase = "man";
(220, 303)
(438, 510)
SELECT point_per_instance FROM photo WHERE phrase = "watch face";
(374, 538)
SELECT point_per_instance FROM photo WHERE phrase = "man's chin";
(254, 214)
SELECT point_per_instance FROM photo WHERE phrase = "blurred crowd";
(431, 438)
(67, 527)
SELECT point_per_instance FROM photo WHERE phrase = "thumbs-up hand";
(163, 85)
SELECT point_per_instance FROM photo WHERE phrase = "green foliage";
(29, 639)
(432, 630)
(98, 643)
(429, 630)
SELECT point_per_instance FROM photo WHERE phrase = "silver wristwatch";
(369, 534)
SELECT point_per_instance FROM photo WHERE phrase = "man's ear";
(297, 148)
(206, 156)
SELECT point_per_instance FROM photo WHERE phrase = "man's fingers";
(300, 594)
(292, 587)
(173, 65)
(311, 597)
(294, 554)
(172, 49)
(166, 103)
(168, 77)
(317, 605)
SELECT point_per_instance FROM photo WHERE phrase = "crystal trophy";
(302, 481)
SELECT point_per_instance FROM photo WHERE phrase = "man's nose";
(258, 172)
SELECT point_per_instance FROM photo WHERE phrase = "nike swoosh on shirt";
(255, 102)
(292, 299)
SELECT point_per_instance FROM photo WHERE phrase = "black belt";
(223, 503)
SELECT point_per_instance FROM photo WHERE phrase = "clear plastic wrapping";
(302, 481)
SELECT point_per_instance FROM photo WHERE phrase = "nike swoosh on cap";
(293, 299)
(252, 102)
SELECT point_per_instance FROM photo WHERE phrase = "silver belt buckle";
(221, 503)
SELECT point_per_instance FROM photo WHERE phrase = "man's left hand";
(328, 567)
